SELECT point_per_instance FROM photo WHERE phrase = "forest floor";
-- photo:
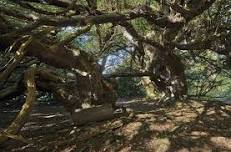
(147, 126)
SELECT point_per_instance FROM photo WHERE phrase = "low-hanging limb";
(71, 96)
(168, 60)
(116, 75)
(23, 115)
(19, 55)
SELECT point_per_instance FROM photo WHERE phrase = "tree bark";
(19, 55)
(23, 115)
(99, 113)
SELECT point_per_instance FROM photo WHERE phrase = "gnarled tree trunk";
(168, 72)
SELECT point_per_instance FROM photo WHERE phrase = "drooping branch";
(208, 43)
(17, 14)
(61, 56)
(58, 3)
(74, 35)
(19, 55)
(197, 9)
(141, 11)
(22, 117)
(115, 18)
(116, 75)
(198, 45)
(131, 30)
(69, 6)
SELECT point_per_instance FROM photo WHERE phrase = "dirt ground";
(148, 126)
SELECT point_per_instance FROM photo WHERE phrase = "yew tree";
(67, 43)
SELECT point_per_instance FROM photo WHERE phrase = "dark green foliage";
(130, 87)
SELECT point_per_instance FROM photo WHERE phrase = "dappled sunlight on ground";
(148, 126)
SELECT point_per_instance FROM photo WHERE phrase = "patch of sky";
(86, 42)
(114, 60)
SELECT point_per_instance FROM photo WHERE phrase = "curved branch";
(141, 11)
(74, 35)
(131, 30)
(116, 75)
(19, 55)
(191, 13)
(23, 115)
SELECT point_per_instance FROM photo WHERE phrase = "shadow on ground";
(148, 126)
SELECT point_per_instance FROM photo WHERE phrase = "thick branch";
(22, 117)
(60, 56)
(20, 53)
(114, 18)
(115, 75)
(74, 35)
(59, 3)
(131, 30)
(16, 13)
(190, 14)
(207, 43)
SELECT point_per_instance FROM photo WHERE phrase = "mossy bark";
(23, 115)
